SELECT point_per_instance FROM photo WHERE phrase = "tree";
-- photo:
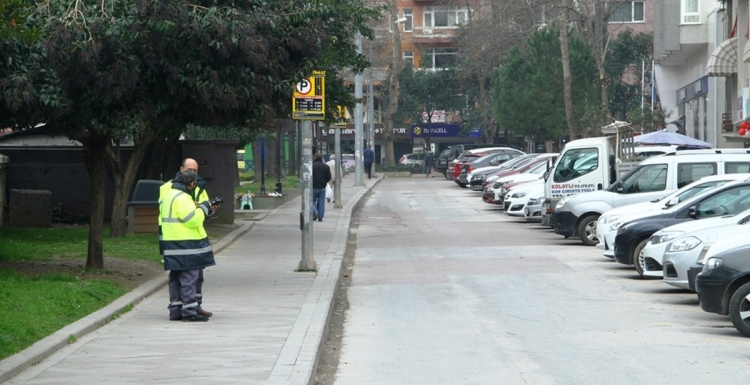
(395, 69)
(528, 92)
(145, 70)
(427, 94)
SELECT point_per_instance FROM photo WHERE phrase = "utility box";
(143, 210)
(30, 208)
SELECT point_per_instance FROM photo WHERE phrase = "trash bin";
(143, 210)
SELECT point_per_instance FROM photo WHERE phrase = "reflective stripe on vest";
(170, 218)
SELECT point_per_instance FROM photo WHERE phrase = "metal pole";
(339, 169)
(262, 166)
(359, 179)
(371, 115)
(307, 263)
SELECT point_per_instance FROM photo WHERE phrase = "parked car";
(533, 210)
(470, 155)
(412, 159)
(684, 244)
(729, 199)
(495, 192)
(493, 159)
(723, 286)
(517, 198)
(451, 153)
(609, 222)
(482, 177)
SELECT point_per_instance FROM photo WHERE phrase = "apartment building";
(428, 36)
(699, 77)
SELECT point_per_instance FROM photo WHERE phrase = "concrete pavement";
(268, 325)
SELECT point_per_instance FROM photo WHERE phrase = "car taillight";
(402, 159)
(468, 168)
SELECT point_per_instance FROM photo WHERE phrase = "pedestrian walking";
(369, 160)
(199, 194)
(187, 250)
(321, 175)
(429, 163)
(332, 165)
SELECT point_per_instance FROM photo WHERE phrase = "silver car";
(686, 250)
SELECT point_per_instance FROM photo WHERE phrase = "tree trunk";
(394, 88)
(94, 150)
(123, 176)
(489, 130)
(271, 163)
(293, 149)
(567, 77)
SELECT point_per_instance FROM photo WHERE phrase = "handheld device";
(216, 201)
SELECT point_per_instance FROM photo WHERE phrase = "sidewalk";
(268, 323)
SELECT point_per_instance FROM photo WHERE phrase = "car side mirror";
(673, 201)
(693, 211)
(618, 186)
(494, 162)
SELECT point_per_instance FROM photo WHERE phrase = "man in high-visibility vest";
(185, 244)
(200, 194)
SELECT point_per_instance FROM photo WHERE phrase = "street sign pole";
(359, 179)
(307, 263)
(308, 103)
(339, 171)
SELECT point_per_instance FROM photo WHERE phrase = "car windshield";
(536, 169)
(691, 192)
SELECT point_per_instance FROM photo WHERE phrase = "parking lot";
(448, 289)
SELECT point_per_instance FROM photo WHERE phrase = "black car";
(451, 153)
(724, 286)
(632, 237)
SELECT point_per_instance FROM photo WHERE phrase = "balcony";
(433, 36)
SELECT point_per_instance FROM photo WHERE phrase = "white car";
(654, 251)
(518, 196)
(529, 175)
(686, 250)
(610, 221)
(533, 210)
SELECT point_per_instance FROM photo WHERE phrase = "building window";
(628, 12)
(438, 58)
(691, 12)
(409, 23)
(445, 16)
(409, 57)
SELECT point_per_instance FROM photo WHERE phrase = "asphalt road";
(446, 289)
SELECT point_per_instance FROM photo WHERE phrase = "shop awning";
(723, 61)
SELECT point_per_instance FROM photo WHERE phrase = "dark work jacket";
(321, 174)
(200, 187)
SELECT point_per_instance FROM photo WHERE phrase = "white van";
(592, 164)
(653, 178)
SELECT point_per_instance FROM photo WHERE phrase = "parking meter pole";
(359, 179)
(307, 263)
(339, 171)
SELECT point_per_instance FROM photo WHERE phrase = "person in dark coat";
(369, 159)
(321, 175)
(429, 163)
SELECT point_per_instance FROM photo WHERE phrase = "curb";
(15, 364)
(299, 357)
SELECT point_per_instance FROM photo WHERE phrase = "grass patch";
(40, 244)
(287, 182)
(35, 307)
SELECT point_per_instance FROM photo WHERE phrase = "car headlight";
(562, 203)
(665, 236)
(615, 226)
(713, 263)
(687, 243)
(604, 219)
(492, 178)
(519, 194)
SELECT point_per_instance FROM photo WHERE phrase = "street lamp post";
(359, 179)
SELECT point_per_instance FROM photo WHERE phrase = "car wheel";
(587, 230)
(739, 309)
(462, 185)
(638, 259)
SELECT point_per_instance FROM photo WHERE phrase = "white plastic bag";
(329, 193)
